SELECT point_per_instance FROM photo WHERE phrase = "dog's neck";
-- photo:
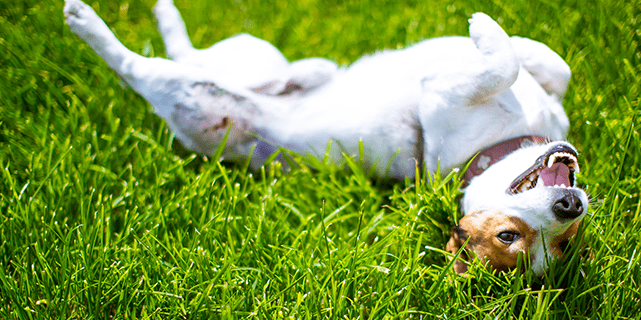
(489, 156)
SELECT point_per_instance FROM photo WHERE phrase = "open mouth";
(556, 168)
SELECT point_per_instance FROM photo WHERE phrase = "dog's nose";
(569, 206)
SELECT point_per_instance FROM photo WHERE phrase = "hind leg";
(163, 83)
(85, 23)
(147, 76)
(173, 30)
(198, 110)
(243, 60)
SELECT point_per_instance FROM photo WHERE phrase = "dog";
(436, 105)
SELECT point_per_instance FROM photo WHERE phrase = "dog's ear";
(458, 238)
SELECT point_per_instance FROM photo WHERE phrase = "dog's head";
(526, 203)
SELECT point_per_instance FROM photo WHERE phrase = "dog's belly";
(383, 101)
(375, 101)
(389, 132)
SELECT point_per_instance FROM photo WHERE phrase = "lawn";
(103, 215)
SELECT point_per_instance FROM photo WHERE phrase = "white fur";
(463, 93)
(447, 98)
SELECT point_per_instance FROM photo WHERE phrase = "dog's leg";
(173, 30)
(499, 66)
(85, 23)
(243, 60)
(147, 76)
(547, 67)
(198, 110)
(257, 61)
(472, 76)
(455, 91)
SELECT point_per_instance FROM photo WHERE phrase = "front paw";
(487, 34)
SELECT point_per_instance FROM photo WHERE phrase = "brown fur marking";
(483, 228)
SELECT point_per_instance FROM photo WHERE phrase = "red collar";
(489, 156)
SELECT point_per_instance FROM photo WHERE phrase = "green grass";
(104, 215)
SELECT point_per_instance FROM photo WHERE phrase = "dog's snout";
(568, 206)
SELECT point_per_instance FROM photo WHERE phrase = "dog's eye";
(508, 236)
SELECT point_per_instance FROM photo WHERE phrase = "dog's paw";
(81, 19)
(161, 3)
(166, 14)
(487, 34)
(76, 12)
(499, 59)
(163, 6)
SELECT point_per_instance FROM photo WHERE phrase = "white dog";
(435, 104)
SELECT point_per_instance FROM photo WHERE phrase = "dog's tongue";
(556, 175)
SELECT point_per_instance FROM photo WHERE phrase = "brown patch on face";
(495, 238)
(458, 238)
(561, 242)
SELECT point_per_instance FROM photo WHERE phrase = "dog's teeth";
(573, 161)
(564, 157)
(527, 184)
(551, 161)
